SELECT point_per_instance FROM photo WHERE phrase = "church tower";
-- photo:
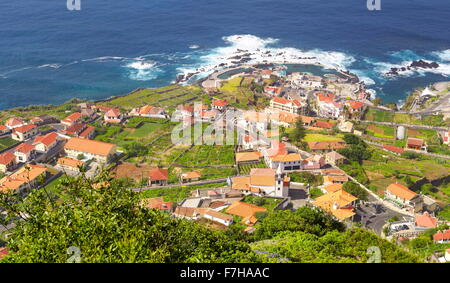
(280, 189)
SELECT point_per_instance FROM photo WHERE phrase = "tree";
(106, 223)
(299, 132)
(356, 190)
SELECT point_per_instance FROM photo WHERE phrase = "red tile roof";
(355, 104)
(86, 132)
(47, 140)
(426, 220)
(323, 124)
(7, 158)
(442, 235)
(113, 113)
(401, 191)
(24, 148)
(220, 103)
(25, 128)
(394, 148)
(325, 97)
(14, 122)
(415, 142)
(73, 117)
(158, 174)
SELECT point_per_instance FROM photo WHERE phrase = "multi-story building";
(101, 151)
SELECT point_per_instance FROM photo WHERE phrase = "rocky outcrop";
(413, 66)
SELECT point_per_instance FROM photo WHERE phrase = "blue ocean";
(49, 54)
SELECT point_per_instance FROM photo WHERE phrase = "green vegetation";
(355, 190)
(333, 247)
(315, 193)
(7, 142)
(244, 169)
(306, 178)
(404, 118)
(203, 155)
(356, 149)
(268, 203)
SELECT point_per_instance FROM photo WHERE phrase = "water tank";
(401, 132)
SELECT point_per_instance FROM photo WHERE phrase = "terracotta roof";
(25, 128)
(325, 97)
(90, 146)
(113, 112)
(335, 202)
(86, 132)
(157, 203)
(333, 187)
(7, 158)
(262, 176)
(189, 211)
(401, 191)
(332, 179)
(254, 116)
(321, 145)
(323, 124)
(220, 102)
(21, 177)
(70, 162)
(332, 171)
(73, 117)
(102, 108)
(393, 148)
(415, 142)
(426, 220)
(3, 127)
(243, 209)
(24, 148)
(75, 129)
(14, 122)
(47, 139)
(355, 104)
(158, 174)
(442, 235)
(216, 204)
(286, 157)
(191, 175)
(186, 108)
(276, 148)
(266, 72)
(247, 156)
(219, 215)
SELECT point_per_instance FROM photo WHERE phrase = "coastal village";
(300, 138)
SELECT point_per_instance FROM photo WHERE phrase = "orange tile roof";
(25, 128)
(333, 179)
(355, 104)
(21, 177)
(393, 148)
(321, 145)
(157, 203)
(191, 175)
(3, 127)
(14, 122)
(262, 177)
(73, 117)
(47, 139)
(220, 102)
(90, 146)
(401, 191)
(24, 148)
(333, 187)
(219, 215)
(415, 142)
(323, 124)
(325, 97)
(7, 158)
(113, 112)
(87, 131)
(247, 156)
(70, 162)
(243, 209)
(426, 220)
(336, 203)
(158, 174)
(442, 235)
(292, 157)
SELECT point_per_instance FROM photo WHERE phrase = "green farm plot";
(169, 96)
(380, 131)
(7, 142)
(201, 155)
(321, 137)
(244, 169)
(378, 115)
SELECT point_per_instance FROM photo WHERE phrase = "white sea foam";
(262, 50)
(442, 55)
(143, 70)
